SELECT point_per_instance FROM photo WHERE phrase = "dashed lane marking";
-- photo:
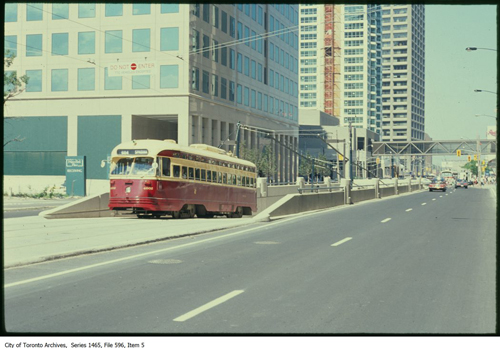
(385, 220)
(209, 305)
(409, 209)
(342, 241)
(424, 203)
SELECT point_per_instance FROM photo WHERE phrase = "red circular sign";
(133, 66)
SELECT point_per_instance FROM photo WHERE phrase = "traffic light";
(475, 157)
(341, 158)
(482, 162)
(468, 158)
(459, 153)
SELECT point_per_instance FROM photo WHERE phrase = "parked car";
(461, 183)
(437, 184)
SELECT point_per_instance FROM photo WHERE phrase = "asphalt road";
(419, 263)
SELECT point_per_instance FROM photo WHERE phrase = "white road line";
(440, 196)
(209, 305)
(434, 199)
(446, 194)
(385, 220)
(424, 203)
(342, 241)
(409, 209)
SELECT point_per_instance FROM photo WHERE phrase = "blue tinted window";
(86, 79)
(60, 44)
(205, 83)
(59, 80)
(254, 69)
(240, 62)
(86, 10)
(33, 45)
(252, 99)
(169, 76)
(10, 44)
(169, 8)
(247, 36)
(232, 26)
(141, 9)
(112, 82)
(10, 12)
(141, 40)
(169, 39)
(86, 42)
(34, 12)
(35, 81)
(232, 58)
(239, 91)
(140, 81)
(246, 96)
(113, 41)
(247, 66)
(113, 10)
(60, 11)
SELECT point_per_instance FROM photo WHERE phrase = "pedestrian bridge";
(435, 147)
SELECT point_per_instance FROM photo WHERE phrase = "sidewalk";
(35, 239)
(27, 203)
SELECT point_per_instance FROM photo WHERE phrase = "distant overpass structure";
(435, 147)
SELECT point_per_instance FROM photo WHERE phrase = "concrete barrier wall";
(362, 195)
(402, 189)
(386, 192)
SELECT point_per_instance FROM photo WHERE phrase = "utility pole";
(350, 152)
(238, 125)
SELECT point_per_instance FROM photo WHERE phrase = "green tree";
(12, 84)
(471, 166)
(264, 160)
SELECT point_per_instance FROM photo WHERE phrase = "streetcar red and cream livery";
(152, 178)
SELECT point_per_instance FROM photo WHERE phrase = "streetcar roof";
(154, 147)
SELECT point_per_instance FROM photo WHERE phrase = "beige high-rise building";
(403, 72)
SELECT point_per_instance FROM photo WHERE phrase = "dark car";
(437, 184)
(461, 183)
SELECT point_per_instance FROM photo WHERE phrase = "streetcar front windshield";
(133, 166)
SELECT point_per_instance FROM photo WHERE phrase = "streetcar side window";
(197, 174)
(229, 179)
(203, 174)
(239, 180)
(184, 173)
(177, 171)
(191, 173)
(165, 166)
(219, 177)
(209, 175)
(224, 178)
(214, 176)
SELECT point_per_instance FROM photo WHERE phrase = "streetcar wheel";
(237, 214)
(176, 214)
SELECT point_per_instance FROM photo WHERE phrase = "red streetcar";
(152, 178)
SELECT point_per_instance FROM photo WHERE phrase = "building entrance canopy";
(435, 147)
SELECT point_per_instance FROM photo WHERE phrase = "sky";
(452, 74)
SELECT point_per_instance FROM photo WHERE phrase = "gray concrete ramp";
(86, 207)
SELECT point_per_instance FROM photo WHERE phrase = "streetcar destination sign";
(132, 152)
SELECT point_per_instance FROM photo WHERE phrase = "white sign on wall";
(131, 68)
